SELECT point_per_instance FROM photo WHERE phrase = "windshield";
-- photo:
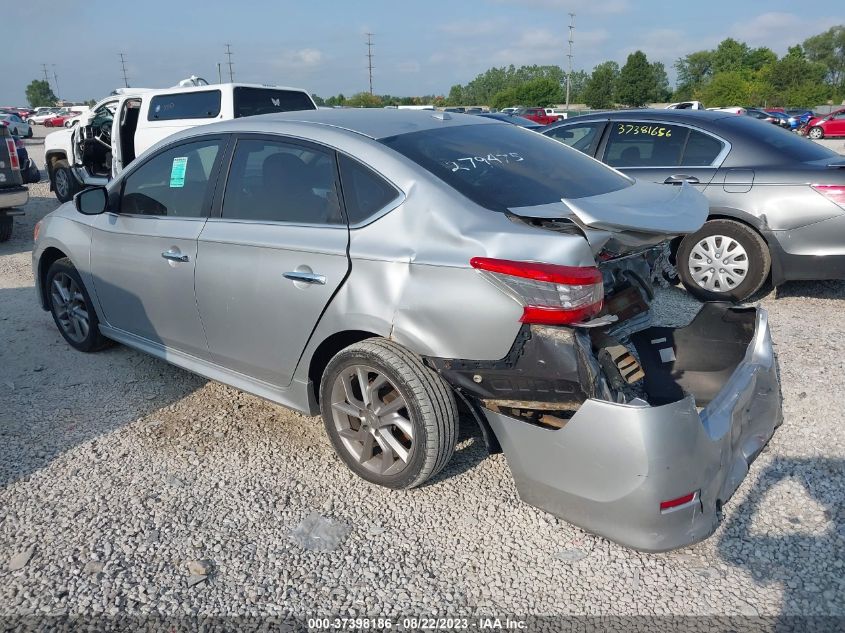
(787, 144)
(502, 166)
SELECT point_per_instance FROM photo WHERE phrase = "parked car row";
(425, 261)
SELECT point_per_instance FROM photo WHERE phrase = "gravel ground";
(118, 470)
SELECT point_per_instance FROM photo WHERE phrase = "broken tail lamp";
(550, 294)
(834, 193)
(679, 502)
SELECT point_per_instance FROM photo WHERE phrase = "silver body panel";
(254, 301)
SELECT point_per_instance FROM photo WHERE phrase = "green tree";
(726, 89)
(364, 100)
(578, 83)
(662, 91)
(456, 95)
(730, 56)
(828, 48)
(636, 83)
(599, 91)
(39, 94)
(759, 58)
(537, 92)
(317, 99)
(794, 80)
(693, 71)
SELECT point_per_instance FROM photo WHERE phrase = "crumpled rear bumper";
(611, 466)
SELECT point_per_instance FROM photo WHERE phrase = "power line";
(56, 80)
(123, 67)
(229, 55)
(569, 55)
(370, 58)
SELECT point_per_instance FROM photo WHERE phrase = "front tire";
(724, 260)
(816, 133)
(72, 309)
(29, 133)
(64, 182)
(391, 419)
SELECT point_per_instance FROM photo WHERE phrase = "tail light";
(550, 294)
(834, 193)
(671, 504)
(36, 231)
(13, 154)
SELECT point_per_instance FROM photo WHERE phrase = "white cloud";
(470, 28)
(605, 7)
(543, 46)
(302, 58)
(779, 31)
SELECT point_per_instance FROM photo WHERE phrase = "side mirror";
(93, 201)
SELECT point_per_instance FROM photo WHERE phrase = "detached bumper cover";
(612, 465)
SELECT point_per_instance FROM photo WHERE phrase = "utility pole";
(370, 58)
(123, 67)
(56, 81)
(229, 55)
(46, 76)
(569, 55)
(219, 74)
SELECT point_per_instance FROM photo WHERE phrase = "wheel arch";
(327, 349)
(51, 158)
(48, 257)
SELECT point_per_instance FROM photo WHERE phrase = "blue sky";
(421, 46)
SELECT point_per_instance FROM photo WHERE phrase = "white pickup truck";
(122, 126)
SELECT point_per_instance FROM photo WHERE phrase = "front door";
(663, 153)
(269, 265)
(143, 255)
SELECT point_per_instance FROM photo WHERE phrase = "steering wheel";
(102, 134)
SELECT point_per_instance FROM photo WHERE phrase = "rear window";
(185, 105)
(787, 144)
(501, 166)
(253, 101)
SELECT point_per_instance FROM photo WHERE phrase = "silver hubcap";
(718, 263)
(372, 419)
(815, 133)
(69, 307)
(62, 184)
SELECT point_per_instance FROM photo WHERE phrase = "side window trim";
(225, 143)
(715, 164)
(223, 181)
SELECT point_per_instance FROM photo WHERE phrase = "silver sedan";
(395, 270)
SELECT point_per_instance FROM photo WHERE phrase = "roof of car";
(374, 123)
(678, 115)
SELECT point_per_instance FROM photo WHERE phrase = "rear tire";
(6, 228)
(393, 446)
(816, 133)
(72, 309)
(64, 182)
(724, 260)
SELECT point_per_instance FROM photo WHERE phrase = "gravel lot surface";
(124, 481)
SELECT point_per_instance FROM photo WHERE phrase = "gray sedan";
(777, 201)
(388, 269)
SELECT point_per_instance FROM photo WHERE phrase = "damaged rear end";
(633, 431)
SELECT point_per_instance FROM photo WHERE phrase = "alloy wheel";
(718, 263)
(69, 306)
(372, 419)
(62, 183)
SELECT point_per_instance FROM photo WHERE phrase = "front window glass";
(501, 166)
(172, 183)
(581, 137)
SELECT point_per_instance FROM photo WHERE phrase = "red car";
(59, 121)
(831, 125)
(538, 115)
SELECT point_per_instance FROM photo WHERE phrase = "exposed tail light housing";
(680, 502)
(550, 294)
(13, 154)
(834, 193)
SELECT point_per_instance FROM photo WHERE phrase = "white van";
(122, 126)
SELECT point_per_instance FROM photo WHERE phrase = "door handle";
(679, 179)
(174, 256)
(308, 278)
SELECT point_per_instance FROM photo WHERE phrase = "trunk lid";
(642, 215)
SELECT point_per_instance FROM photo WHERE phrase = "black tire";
(93, 341)
(815, 132)
(31, 122)
(29, 134)
(6, 228)
(431, 409)
(63, 181)
(758, 260)
(15, 132)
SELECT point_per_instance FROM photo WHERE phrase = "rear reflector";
(834, 193)
(674, 503)
(550, 294)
